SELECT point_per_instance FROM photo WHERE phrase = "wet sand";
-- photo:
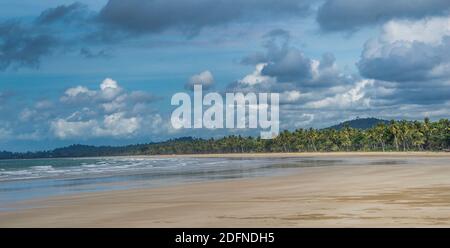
(391, 195)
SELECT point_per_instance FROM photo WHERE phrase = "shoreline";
(307, 154)
(269, 154)
(406, 195)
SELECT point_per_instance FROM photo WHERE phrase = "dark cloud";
(190, 16)
(66, 13)
(407, 62)
(273, 40)
(335, 15)
(25, 43)
(422, 95)
(89, 54)
(253, 59)
(23, 46)
(289, 64)
(384, 94)
(286, 35)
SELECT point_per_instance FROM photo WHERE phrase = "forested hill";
(360, 123)
(351, 136)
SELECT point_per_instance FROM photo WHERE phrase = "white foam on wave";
(84, 165)
(110, 166)
(42, 167)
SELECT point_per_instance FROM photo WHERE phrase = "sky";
(103, 72)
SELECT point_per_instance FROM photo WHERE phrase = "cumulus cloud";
(284, 63)
(401, 71)
(428, 30)
(291, 96)
(79, 90)
(256, 77)
(335, 15)
(114, 125)
(109, 91)
(117, 124)
(293, 119)
(68, 129)
(400, 54)
(77, 94)
(354, 97)
(290, 65)
(204, 78)
(409, 62)
(43, 104)
(312, 91)
(107, 112)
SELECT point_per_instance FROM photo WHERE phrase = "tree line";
(393, 136)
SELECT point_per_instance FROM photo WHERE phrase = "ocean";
(22, 180)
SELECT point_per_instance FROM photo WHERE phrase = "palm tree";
(312, 136)
(395, 130)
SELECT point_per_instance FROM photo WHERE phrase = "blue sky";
(103, 72)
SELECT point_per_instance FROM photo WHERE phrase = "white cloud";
(428, 30)
(118, 125)
(256, 77)
(205, 78)
(398, 36)
(295, 119)
(26, 114)
(44, 104)
(291, 96)
(109, 111)
(64, 129)
(79, 90)
(109, 89)
(108, 83)
(114, 125)
(113, 106)
(77, 94)
(409, 51)
(117, 104)
(352, 98)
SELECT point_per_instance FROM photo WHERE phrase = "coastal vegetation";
(384, 136)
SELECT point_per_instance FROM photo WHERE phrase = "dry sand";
(407, 195)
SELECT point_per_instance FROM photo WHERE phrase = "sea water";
(36, 178)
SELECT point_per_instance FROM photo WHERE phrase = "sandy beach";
(381, 195)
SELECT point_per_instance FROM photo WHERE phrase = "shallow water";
(36, 178)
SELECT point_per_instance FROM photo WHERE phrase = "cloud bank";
(338, 15)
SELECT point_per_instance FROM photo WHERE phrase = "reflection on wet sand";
(384, 192)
